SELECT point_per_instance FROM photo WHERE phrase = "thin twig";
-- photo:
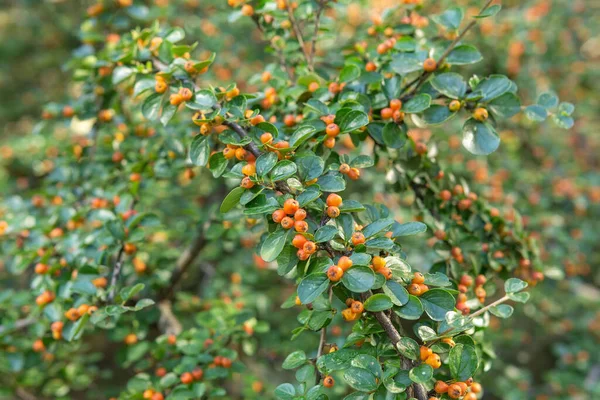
(298, 33)
(313, 42)
(423, 77)
(118, 266)
(18, 325)
(323, 338)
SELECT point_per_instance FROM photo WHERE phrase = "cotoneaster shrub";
(101, 237)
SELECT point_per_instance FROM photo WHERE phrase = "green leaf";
(563, 122)
(337, 360)
(325, 233)
(128, 292)
(450, 84)
(168, 112)
(308, 196)
(232, 199)
(362, 161)
(151, 106)
(312, 286)
(463, 361)
(294, 360)
(121, 73)
(408, 228)
(480, 138)
(566, 109)
(493, 86)
(437, 279)
(463, 55)
(421, 374)
(536, 113)
(417, 104)
(285, 391)
(353, 120)
(412, 310)
(434, 115)
(394, 135)
(349, 73)
(265, 163)
(378, 302)
(360, 379)
(397, 293)
(203, 100)
(143, 85)
(490, 11)
(450, 19)
(408, 348)
(505, 106)
(283, 170)
(273, 245)
(310, 167)
(74, 330)
(548, 100)
(351, 206)
(377, 226)
(522, 297)
(217, 164)
(502, 310)
(302, 134)
(143, 303)
(513, 285)
(200, 150)
(332, 183)
(405, 63)
(358, 279)
(437, 302)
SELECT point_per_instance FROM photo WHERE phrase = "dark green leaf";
(378, 302)
(463, 361)
(312, 286)
(358, 279)
(480, 138)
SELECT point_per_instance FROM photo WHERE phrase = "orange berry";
(290, 206)
(414, 289)
(386, 272)
(434, 360)
(247, 183)
(328, 119)
(247, 10)
(370, 67)
(329, 142)
(334, 200)
(278, 215)
(466, 280)
(301, 226)
(333, 212)
(480, 280)
(313, 86)
(378, 263)
(186, 378)
(354, 174)
(335, 273)
(476, 387)
(454, 391)
(344, 168)
(480, 114)
(344, 263)
(287, 223)
(198, 373)
(454, 106)
(418, 278)
(298, 241)
(309, 247)
(429, 65)
(176, 99)
(387, 113)
(249, 169)
(300, 215)
(257, 120)
(358, 238)
(328, 381)
(425, 352)
(41, 268)
(289, 120)
(395, 104)
(332, 130)
(440, 387)
(266, 138)
(357, 307)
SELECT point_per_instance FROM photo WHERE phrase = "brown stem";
(313, 42)
(118, 266)
(18, 325)
(298, 34)
(423, 77)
